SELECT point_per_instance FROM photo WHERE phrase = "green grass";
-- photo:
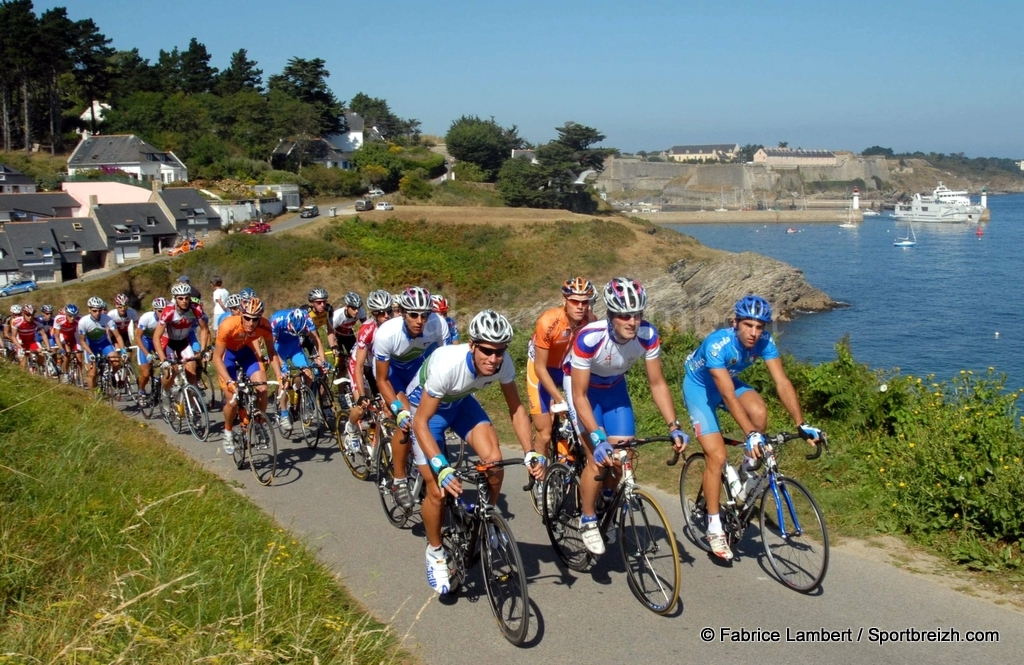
(114, 547)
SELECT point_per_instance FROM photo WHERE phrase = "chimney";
(157, 185)
(94, 201)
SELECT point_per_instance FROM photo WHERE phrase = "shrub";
(415, 185)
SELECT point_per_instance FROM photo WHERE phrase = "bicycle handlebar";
(630, 444)
(779, 439)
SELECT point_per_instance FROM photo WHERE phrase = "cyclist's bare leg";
(400, 450)
(190, 372)
(432, 507)
(542, 432)
(589, 485)
(713, 446)
(484, 440)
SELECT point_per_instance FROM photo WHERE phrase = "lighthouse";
(856, 199)
(984, 197)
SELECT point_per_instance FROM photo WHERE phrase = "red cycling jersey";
(364, 340)
(178, 325)
(25, 327)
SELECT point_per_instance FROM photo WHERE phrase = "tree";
(783, 144)
(168, 70)
(90, 58)
(129, 73)
(482, 142)
(241, 74)
(196, 73)
(523, 184)
(878, 150)
(747, 151)
(55, 39)
(377, 113)
(378, 164)
(20, 62)
(306, 80)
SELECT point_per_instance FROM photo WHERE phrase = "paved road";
(593, 617)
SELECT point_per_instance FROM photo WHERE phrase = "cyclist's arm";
(138, 337)
(387, 391)
(318, 343)
(204, 334)
(660, 392)
(158, 340)
(723, 381)
(584, 412)
(540, 367)
(520, 418)
(357, 371)
(219, 349)
(786, 391)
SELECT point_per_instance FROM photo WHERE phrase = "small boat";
(909, 241)
(869, 213)
(791, 229)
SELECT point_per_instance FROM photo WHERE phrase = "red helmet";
(440, 304)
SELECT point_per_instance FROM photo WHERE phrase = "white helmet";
(379, 301)
(159, 304)
(624, 295)
(234, 300)
(96, 303)
(16, 310)
(489, 326)
(181, 289)
(416, 299)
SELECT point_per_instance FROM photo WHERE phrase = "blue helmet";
(298, 322)
(247, 293)
(753, 307)
(71, 309)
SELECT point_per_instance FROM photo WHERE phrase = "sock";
(435, 552)
(607, 494)
(587, 519)
(715, 524)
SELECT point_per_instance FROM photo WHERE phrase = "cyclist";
(441, 397)
(120, 319)
(45, 320)
(176, 329)
(552, 339)
(66, 326)
(238, 346)
(25, 329)
(231, 307)
(288, 327)
(145, 348)
(601, 355)
(322, 315)
(193, 291)
(344, 323)
(396, 304)
(441, 307)
(399, 348)
(360, 365)
(93, 336)
(710, 383)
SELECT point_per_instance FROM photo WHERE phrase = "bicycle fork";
(780, 516)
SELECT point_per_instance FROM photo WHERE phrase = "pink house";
(105, 193)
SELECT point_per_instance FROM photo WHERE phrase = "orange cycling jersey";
(556, 334)
(233, 336)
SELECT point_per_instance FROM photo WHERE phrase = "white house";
(127, 153)
(716, 152)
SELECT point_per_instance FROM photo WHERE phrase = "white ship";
(944, 205)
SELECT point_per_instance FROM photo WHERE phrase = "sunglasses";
(382, 312)
(95, 311)
(250, 319)
(578, 303)
(183, 297)
(417, 315)
(639, 316)
(319, 302)
(490, 350)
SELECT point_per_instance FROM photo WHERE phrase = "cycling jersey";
(344, 324)
(146, 325)
(555, 333)
(287, 343)
(321, 319)
(406, 354)
(453, 330)
(65, 325)
(608, 361)
(233, 336)
(450, 376)
(95, 333)
(180, 325)
(25, 327)
(120, 323)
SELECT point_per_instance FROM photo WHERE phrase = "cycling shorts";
(101, 346)
(123, 336)
(291, 354)
(612, 408)
(182, 349)
(346, 342)
(143, 352)
(461, 417)
(540, 400)
(702, 401)
(401, 378)
(69, 341)
(244, 358)
(29, 344)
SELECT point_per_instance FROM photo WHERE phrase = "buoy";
(979, 232)
(997, 335)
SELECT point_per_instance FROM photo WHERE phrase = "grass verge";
(116, 548)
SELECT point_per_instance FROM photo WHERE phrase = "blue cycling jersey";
(279, 327)
(722, 350)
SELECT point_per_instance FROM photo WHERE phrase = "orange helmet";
(578, 286)
(252, 307)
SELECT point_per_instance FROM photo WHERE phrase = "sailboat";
(849, 223)
(723, 208)
(909, 241)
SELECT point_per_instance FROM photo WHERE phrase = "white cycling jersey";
(448, 374)
(391, 342)
(120, 323)
(344, 324)
(92, 329)
(608, 361)
(147, 323)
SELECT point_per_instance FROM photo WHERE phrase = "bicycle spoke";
(261, 447)
(648, 547)
(694, 504)
(562, 511)
(195, 413)
(794, 535)
(505, 579)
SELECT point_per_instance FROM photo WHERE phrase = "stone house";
(789, 158)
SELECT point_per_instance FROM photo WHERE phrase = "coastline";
(753, 217)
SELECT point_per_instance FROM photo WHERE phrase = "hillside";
(509, 259)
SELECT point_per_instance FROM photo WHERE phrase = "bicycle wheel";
(562, 511)
(385, 475)
(358, 461)
(648, 547)
(241, 452)
(691, 497)
(176, 416)
(505, 578)
(196, 416)
(131, 383)
(208, 384)
(261, 447)
(309, 417)
(52, 370)
(456, 448)
(794, 535)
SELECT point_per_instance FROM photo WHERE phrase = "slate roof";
(96, 151)
(81, 231)
(184, 202)
(44, 204)
(14, 177)
(354, 121)
(791, 152)
(8, 261)
(34, 237)
(147, 217)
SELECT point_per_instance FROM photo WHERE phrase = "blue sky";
(930, 76)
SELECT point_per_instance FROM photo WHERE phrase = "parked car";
(375, 192)
(309, 211)
(184, 246)
(22, 285)
(363, 205)
(257, 227)
(384, 205)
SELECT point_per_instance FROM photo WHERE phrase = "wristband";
(396, 406)
(438, 462)
(597, 436)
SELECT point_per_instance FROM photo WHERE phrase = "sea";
(953, 302)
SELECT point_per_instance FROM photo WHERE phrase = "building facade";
(790, 158)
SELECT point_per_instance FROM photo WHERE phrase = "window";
(76, 226)
(47, 253)
(29, 251)
(200, 211)
(120, 229)
(151, 221)
(2, 177)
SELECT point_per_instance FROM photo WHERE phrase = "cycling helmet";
(183, 279)
(234, 300)
(440, 303)
(379, 301)
(624, 295)
(753, 307)
(16, 310)
(181, 289)
(96, 303)
(489, 326)
(120, 300)
(246, 293)
(252, 307)
(353, 299)
(298, 322)
(46, 309)
(578, 286)
(71, 309)
(416, 299)
(159, 303)
(318, 293)
(28, 310)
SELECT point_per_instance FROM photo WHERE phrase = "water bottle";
(733, 479)
(747, 489)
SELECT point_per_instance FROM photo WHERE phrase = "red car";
(257, 227)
